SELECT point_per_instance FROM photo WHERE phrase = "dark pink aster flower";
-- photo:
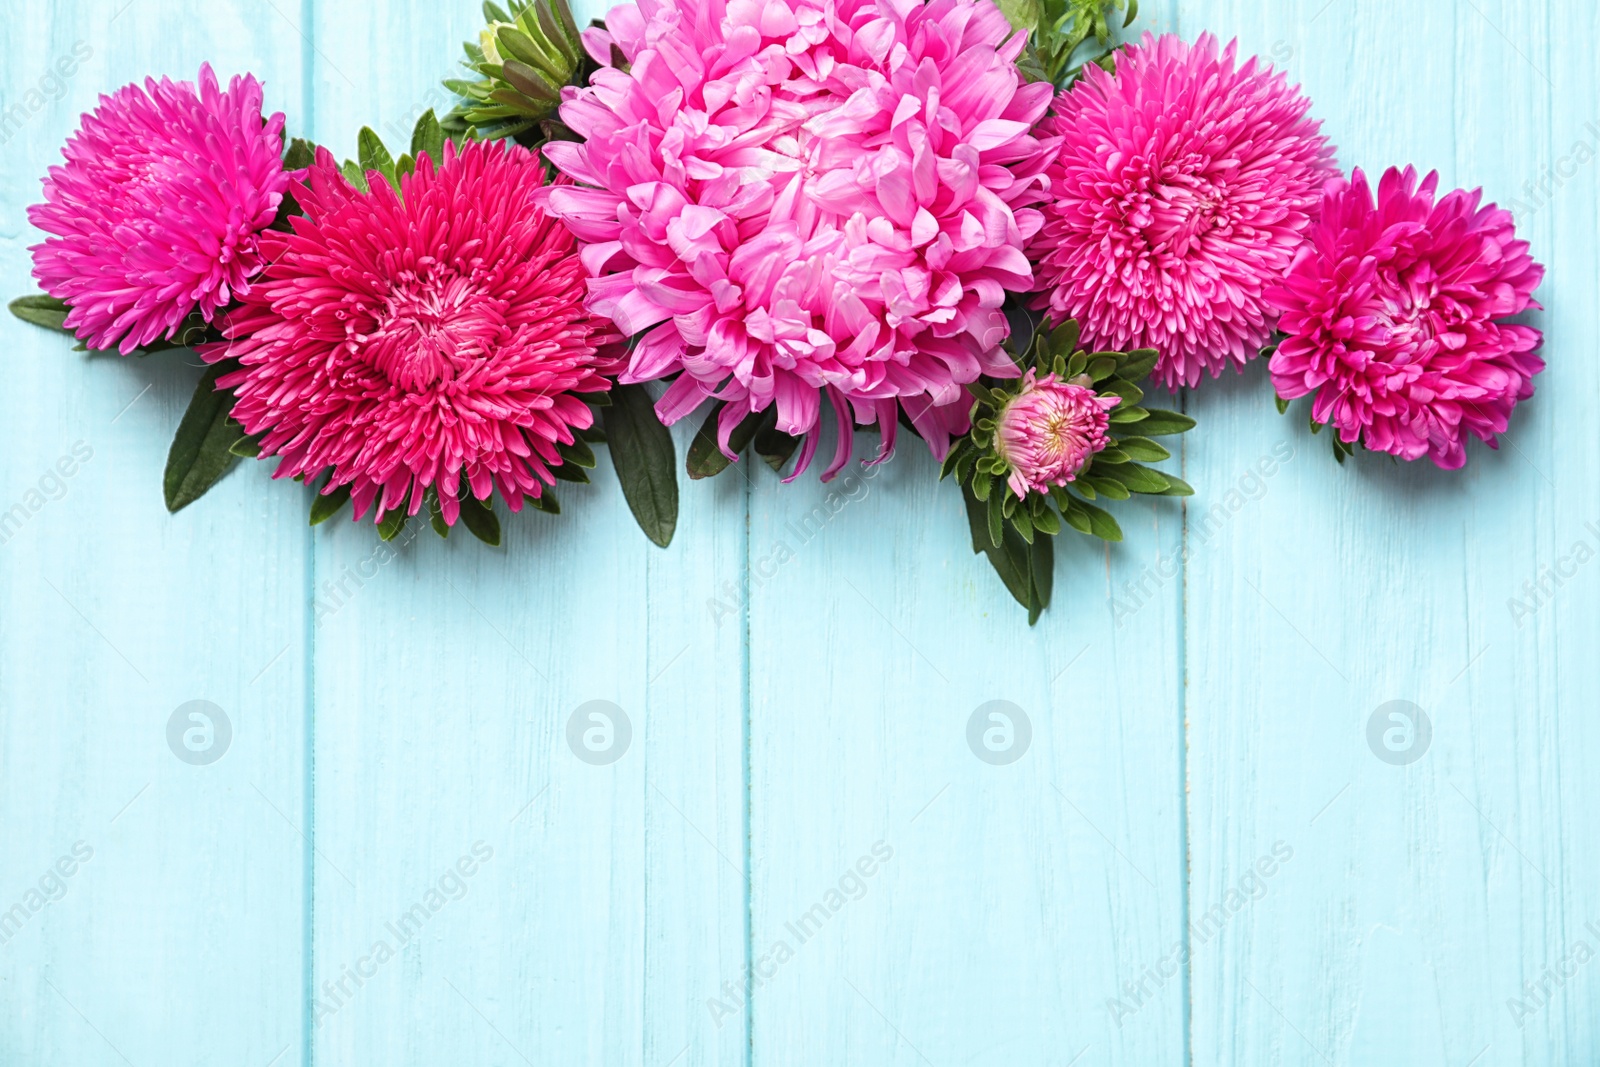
(798, 198)
(419, 339)
(1183, 187)
(159, 207)
(1394, 314)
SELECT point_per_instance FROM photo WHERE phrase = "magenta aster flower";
(421, 339)
(798, 197)
(1394, 314)
(159, 208)
(1048, 431)
(1183, 187)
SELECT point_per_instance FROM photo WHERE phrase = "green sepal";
(428, 137)
(247, 447)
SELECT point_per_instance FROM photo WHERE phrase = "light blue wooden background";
(1173, 747)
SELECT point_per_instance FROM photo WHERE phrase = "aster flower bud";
(1047, 433)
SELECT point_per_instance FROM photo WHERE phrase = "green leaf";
(1130, 393)
(1025, 569)
(997, 516)
(374, 156)
(247, 447)
(325, 506)
(300, 154)
(1143, 449)
(1283, 405)
(200, 453)
(430, 502)
(1101, 524)
(1139, 364)
(645, 461)
(1125, 414)
(1042, 559)
(392, 523)
(1102, 365)
(775, 446)
(545, 502)
(1176, 487)
(42, 310)
(1138, 479)
(1046, 521)
(354, 175)
(428, 137)
(1108, 487)
(479, 517)
(1165, 424)
(705, 458)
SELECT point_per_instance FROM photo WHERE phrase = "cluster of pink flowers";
(791, 198)
(784, 206)
(1048, 431)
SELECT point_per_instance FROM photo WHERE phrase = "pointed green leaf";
(1142, 449)
(428, 137)
(392, 523)
(325, 506)
(42, 310)
(374, 156)
(200, 454)
(1165, 424)
(645, 460)
(247, 447)
(705, 457)
(478, 516)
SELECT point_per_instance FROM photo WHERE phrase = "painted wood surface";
(797, 854)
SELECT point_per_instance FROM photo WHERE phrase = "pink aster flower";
(1395, 314)
(159, 208)
(1183, 187)
(427, 338)
(1047, 432)
(798, 197)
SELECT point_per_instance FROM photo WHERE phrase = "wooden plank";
(175, 935)
(1422, 894)
(1019, 898)
(613, 902)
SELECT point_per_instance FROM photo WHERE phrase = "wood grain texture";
(799, 858)
(179, 941)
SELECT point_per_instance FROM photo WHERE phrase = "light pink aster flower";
(1183, 186)
(799, 197)
(1048, 431)
(1394, 314)
(159, 207)
(429, 338)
